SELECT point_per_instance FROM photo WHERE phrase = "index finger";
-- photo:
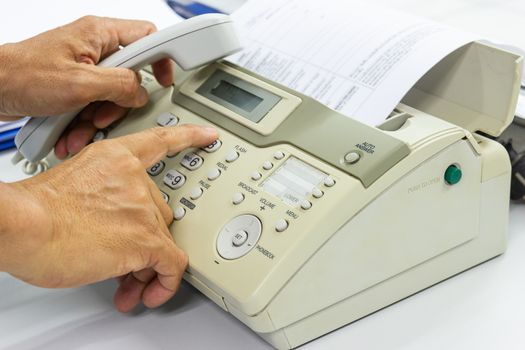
(151, 145)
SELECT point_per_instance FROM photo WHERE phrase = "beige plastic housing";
(475, 87)
(357, 249)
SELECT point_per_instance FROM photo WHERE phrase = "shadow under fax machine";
(300, 220)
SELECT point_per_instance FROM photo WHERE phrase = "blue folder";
(7, 139)
(189, 9)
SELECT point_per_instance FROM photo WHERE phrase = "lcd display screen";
(236, 96)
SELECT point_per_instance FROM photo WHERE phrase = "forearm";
(22, 220)
(4, 73)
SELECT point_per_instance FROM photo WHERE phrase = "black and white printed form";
(356, 58)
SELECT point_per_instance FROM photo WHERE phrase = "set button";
(237, 198)
(191, 161)
(256, 176)
(167, 119)
(214, 174)
(179, 213)
(212, 147)
(239, 238)
(196, 193)
(267, 165)
(174, 180)
(232, 156)
(156, 168)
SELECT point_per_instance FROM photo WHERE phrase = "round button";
(352, 157)
(317, 193)
(178, 213)
(329, 182)
(237, 198)
(232, 156)
(196, 193)
(256, 176)
(239, 238)
(233, 233)
(213, 174)
(281, 225)
(453, 174)
(267, 165)
(165, 196)
(278, 155)
(306, 204)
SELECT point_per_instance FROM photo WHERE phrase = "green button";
(453, 175)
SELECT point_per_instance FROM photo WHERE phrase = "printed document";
(354, 57)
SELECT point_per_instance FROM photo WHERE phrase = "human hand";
(55, 72)
(98, 215)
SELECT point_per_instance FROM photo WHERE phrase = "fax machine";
(299, 220)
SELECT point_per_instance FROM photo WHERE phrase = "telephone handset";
(191, 43)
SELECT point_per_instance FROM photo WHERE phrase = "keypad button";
(239, 238)
(329, 182)
(165, 196)
(281, 225)
(237, 198)
(232, 156)
(278, 155)
(306, 204)
(167, 119)
(256, 176)
(191, 161)
(174, 180)
(156, 169)
(317, 193)
(179, 213)
(212, 147)
(213, 174)
(196, 193)
(267, 165)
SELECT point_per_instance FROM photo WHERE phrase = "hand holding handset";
(191, 43)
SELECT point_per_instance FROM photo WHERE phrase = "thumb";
(151, 145)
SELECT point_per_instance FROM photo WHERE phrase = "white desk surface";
(483, 308)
